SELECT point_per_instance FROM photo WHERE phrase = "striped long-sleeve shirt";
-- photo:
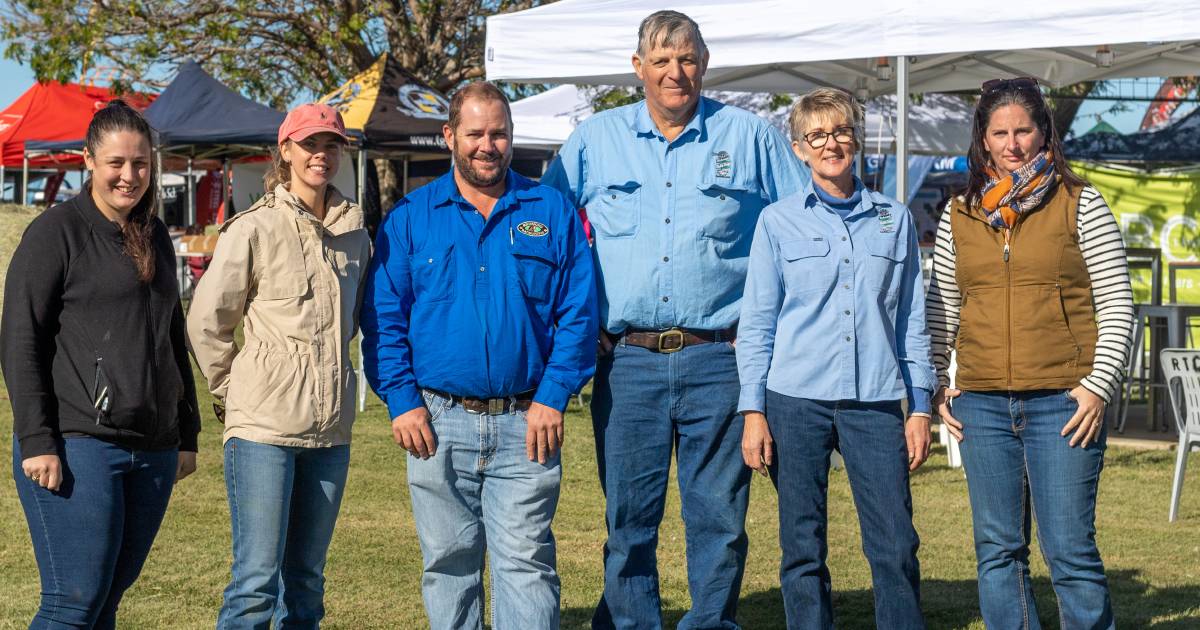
(1112, 296)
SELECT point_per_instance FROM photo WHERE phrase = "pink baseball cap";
(309, 119)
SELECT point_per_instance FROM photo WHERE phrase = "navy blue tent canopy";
(1178, 142)
(196, 109)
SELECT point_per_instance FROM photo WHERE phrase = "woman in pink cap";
(290, 269)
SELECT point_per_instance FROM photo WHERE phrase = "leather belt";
(673, 339)
(489, 406)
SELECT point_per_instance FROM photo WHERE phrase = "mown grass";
(373, 577)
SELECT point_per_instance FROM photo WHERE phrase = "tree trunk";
(389, 184)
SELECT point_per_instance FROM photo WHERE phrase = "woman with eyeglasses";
(835, 273)
(1031, 289)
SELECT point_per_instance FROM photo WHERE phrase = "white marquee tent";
(870, 47)
(939, 125)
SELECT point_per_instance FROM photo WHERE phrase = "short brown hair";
(481, 90)
(824, 101)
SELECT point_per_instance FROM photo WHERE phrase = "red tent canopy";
(53, 111)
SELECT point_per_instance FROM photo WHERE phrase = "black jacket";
(85, 347)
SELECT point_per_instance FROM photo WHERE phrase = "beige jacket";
(296, 285)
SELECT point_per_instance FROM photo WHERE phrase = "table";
(1176, 318)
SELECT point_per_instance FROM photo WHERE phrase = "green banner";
(1155, 209)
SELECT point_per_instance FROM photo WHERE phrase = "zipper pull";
(1006, 252)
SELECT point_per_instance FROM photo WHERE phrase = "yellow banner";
(356, 98)
(1155, 209)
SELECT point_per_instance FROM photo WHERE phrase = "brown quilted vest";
(1026, 323)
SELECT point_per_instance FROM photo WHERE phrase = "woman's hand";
(941, 404)
(916, 433)
(1088, 418)
(757, 445)
(44, 470)
(186, 466)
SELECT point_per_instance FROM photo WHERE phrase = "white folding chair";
(1181, 369)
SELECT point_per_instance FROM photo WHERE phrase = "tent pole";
(1, 183)
(159, 185)
(225, 186)
(404, 182)
(362, 176)
(902, 129)
(191, 193)
(24, 178)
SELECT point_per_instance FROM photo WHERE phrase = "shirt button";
(722, 197)
(666, 259)
(668, 219)
(666, 299)
(847, 339)
(847, 311)
(845, 286)
(482, 268)
(614, 196)
(430, 260)
(668, 184)
(846, 260)
(843, 238)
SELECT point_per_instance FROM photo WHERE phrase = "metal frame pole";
(404, 185)
(362, 176)
(24, 179)
(159, 184)
(902, 129)
(2, 183)
(191, 193)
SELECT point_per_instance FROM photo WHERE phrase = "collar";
(870, 200)
(341, 215)
(91, 213)
(642, 124)
(516, 188)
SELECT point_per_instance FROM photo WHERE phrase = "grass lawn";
(373, 576)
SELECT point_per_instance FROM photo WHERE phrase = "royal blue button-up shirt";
(480, 308)
(673, 220)
(834, 308)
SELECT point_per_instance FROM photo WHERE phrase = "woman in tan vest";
(1031, 289)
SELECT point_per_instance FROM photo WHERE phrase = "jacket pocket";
(725, 212)
(535, 265)
(276, 392)
(1043, 345)
(806, 265)
(433, 273)
(289, 284)
(888, 254)
(615, 210)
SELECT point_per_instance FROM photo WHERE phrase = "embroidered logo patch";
(887, 223)
(533, 228)
(723, 164)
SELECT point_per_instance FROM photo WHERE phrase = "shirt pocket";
(535, 266)
(727, 211)
(805, 265)
(432, 271)
(888, 254)
(615, 210)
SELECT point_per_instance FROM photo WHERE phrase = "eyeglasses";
(818, 139)
(1019, 83)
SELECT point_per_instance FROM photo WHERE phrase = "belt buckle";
(495, 406)
(669, 334)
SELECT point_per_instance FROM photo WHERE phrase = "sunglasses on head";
(999, 85)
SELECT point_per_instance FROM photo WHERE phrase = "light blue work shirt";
(673, 220)
(834, 308)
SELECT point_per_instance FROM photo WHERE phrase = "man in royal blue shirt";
(673, 186)
(479, 323)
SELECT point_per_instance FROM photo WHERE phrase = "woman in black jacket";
(104, 406)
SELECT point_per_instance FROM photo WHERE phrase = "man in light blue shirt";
(672, 186)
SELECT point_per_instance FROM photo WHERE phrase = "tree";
(274, 51)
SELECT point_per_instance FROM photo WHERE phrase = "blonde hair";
(828, 103)
(279, 172)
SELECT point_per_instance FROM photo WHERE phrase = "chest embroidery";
(533, 228)
(723, 164)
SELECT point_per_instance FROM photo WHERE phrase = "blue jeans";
(1019, 466)
(645, 404)
(870, 437)
(479, 493)
(283, 503)
(91, 536)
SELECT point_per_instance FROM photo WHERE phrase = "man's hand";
(916, 433)
(44, 470)
(941, 404)
(757, 446)
(543, 432)
(186, 465)
(412, 431)
(1088, 418)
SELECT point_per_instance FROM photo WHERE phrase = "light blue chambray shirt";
(673, 221)
(834, 309)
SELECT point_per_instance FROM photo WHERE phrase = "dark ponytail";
(138, 229)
